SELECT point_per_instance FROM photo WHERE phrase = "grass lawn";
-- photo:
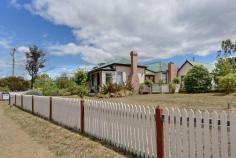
(60, 141)
(210, 101)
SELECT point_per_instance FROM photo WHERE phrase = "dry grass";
(210, 101)
(60, 141)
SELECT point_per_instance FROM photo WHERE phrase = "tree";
(149, 84)
(177, 80)
(82, 91)
(34, 61)
(46, 85)
(197, 80)
(14, 83)
(227, 83)
(81, 77)
(63, 81)
(225, 62)
(160, 83)
(223, 67)
(227, 49)
(172, 87)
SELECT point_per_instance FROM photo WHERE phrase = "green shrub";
(34, 92)
(197, 80)
(112, 88)
(118, 90)
(176, 80)
(73, 88)
(4, 89)
(160, 82)
(46, 85)
(81, 77)
(224, 67)
(141, 88)
(172, 87)
(61, 92)
(15, 83)
(82, 90)
(148, 83)
(67, 94)
(128, 86)
(64, 81)
(227, 83)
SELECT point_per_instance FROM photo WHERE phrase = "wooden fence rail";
(142, 130)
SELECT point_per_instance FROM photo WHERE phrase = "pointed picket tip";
(184, 112)
(166, 111)
(223, 115)
(191, 113)
(215, 115)
(198, 113)
(178, 113)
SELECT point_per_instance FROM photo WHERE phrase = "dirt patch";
(15, 143)
(58, 140)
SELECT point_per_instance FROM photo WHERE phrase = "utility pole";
(13, 50)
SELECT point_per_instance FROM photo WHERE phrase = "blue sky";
(79, 33)
(21, 28)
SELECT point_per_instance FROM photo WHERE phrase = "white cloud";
(23, 49)
(88, 53)
(5, 44)
(155, 28)
(68, 69)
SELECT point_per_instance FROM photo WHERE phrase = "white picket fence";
(66, 112)
(131, 127)
(199, 134)
(27, 102)
(160, 89)
(187, 133)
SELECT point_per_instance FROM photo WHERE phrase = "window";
(150, 77)
(119, 77)
(92, 78)
(108, 78)
(163, 77)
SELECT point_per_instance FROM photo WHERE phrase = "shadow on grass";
(44, 137)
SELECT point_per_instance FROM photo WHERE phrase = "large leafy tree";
(81, 77)
(64, 81)
(225, 62)
(197, 80)
(227, 83)
(14, 84)
(45, 84)
(34, 62)
(227, 49)
(223, 67)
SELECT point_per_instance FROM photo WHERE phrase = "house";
(124, 71)
(129, 71)
(187, 65)
(118, 71)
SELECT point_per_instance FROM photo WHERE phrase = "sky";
(82, 33)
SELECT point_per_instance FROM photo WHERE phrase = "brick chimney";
(134, 80)
(172, 71)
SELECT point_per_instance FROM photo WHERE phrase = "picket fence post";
(159, 132)
(32, 104)
(15, 99)
(50, 108)
(22, 101)
(82, 116)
